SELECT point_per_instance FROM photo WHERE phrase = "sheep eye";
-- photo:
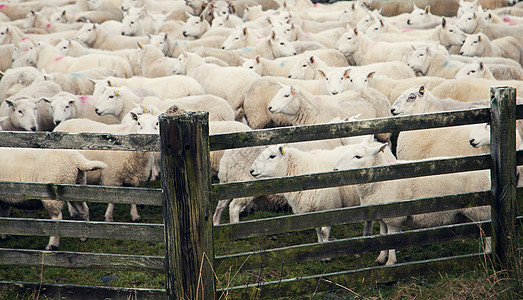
(375, 29)
(286, 95)
(139, 124)
(358, 156)
(111, 97)
(472, 71)
(272, 156)
(283, 44)
(450, 30)
(351, 80)
(304, 66)
(20, 112)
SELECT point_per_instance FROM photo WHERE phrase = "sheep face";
(475, 70)
(110, 102)
(4, 35)
(419, 16)
(145, 123)
(451, 35)
(30, 20)
(420, 59)
(219, 21)
(23, 114)
(131, 25)
(128, 4)
(285, 101)
(220, 8)
(348, 42)
(467, 6)
(267, 164)
(93, 4)
(160, 42)
(360, 156)
(281, 47)
(409, 102)
(180, 65)
(87, 34)
(254, 65)
(480, 135)
(195, 27)
(375, 30)
(63, 107)
(64, 47)
(468, 22)
(285, 30)
(305, 69)
(237, 39)
(333, 81)
(366, 22)
(474, 45)
(358, 80)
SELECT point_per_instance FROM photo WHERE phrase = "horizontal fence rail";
(347, 215)
(343, 247)
(84, 229)
(355, 176)
(75, 192)
(78, 260)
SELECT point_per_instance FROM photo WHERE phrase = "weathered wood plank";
(356, 176)
(342, 247)
(503, 176)
(187, 206)
(86, 141)
(79, 260)
(91, 229)
(83, 292)
(323, 282)
(74, 192)
(343, 129)
(348, 215)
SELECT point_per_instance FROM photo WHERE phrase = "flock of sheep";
(113, 66)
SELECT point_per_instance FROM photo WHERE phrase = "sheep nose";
(335, 169)
(289, 76)
(252, 172)
(408, 22)
(123, 33)
(461, 53)
(334, 93)
(33, 128)
(223, 48)
(393, 111)
(472, 143)
(184, 34)
(270, 108)
(57, 122)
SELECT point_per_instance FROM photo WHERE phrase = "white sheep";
(429, 61)
(173, 86)
(195, 27)
(129, 168)
(95, 37)
(6, 56)
(225, 82)
(79, 83)
(254, 64)
(65, 106)
(279, 160)
(422, 18)
(420, 144)
(472, 89)
(153, 62)
(475, 70)
(471, 23)
(45, 166)
(14, 79)
(119, 101)
(375, 154)
(46, 57)
(22, 115)
(480, 45)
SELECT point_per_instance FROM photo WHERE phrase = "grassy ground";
(477, 283)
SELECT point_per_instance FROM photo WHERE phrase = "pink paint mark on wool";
(26, 49)
(392, 161)
(141, 100)
(2, 6)
(260, 37)
(317, 99)
(316, 4)
(48, 26)
(25, 38)
(59, 58)
(85, 99)
(407, 30)
(509, 21)
(308, 35)
(373, 44)
(124, 127)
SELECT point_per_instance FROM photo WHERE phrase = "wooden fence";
(188, 198)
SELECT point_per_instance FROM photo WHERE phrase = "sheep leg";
(235, 208)
(382, 258)
(109, 212)
(323, 236)
(488, 244)
(81, 210)
(54, 210)
(218, 212)
(392, 252)
(367, 230)
(134, 213)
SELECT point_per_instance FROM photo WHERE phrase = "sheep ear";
(117, 92)
(413, 48)
(258, 59)
(148, 35)
(134, 116)
(370, 75)
(110, 83)
(322, 74)
(443, 22)
(346, 73)
(293, 91)
(92, 81)
(201, 18)
(381, 23)
(475, 16)
(72, 102)
(9, 103)
(481, 66)
(311, 59)
(422, 90)
(44, 100)
(139, 45)
(353, 6)
(479, 38)
(427, 9)
(273, 35)
(245, 31)
(268, 20)
(356, 31)
(281, 148)
(380, 148)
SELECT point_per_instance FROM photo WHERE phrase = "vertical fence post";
(503, 176)
(187, 206)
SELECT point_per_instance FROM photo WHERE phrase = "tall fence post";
(503, 176)
(187, 206)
